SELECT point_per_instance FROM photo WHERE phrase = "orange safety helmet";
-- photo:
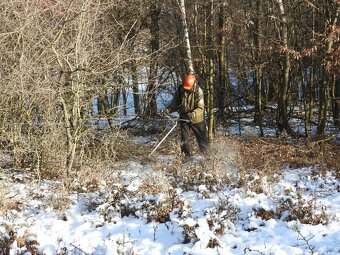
(189, 81)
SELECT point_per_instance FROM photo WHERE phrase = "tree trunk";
(328, 80)
(241, 83)
(305, 88)
(336, 103)
(186, 36)
(311, 92)
(324, 95)
(222, 84)
(107, 111)
(115, 103)
(135, 88)
(308, 98)
(258, 71)
(309, 84)
(211, 73)
(151, 104)
(282, 116)
(124, 102)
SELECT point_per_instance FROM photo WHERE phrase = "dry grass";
(270, 155)
(6, 240)
(27, 241)
(304, 210)
(129, 150)
(8, 204)
(8, 201)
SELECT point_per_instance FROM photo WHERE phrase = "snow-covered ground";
(148, 208)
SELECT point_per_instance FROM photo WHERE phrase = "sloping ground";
(214, 205)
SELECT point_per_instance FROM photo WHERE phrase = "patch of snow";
(194, 228)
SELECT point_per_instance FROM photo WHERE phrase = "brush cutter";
(178, 120)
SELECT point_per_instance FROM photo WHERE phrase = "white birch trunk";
(186, 35)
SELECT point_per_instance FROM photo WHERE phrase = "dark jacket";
(189, 102)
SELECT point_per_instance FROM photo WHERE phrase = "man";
(188, 101)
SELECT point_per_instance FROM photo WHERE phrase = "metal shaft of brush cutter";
(178, 120)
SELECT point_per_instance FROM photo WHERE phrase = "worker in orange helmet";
(188, 101)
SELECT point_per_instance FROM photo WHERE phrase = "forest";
(83, 83)
(275, 60)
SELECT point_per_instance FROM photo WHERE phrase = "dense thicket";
(59, 57)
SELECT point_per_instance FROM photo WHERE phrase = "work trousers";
(200, 132)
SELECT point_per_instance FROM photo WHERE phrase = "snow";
(190, 229)
(298, 213)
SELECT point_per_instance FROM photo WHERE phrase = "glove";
(191, 115)
(164, 112)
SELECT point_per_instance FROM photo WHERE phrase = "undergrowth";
(259, 162)
(270, 155)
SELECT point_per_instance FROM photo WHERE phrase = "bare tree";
(56, 59)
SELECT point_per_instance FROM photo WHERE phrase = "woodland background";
(273, 60)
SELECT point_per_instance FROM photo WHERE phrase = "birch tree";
(186, 36)
(211, 71)
(258, 43)
(222, 60)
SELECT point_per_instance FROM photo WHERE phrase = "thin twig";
(78, 249)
